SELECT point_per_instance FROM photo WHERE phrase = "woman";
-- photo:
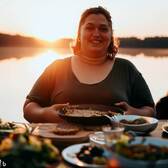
(91, 76)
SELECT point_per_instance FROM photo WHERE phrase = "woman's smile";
(95, 34)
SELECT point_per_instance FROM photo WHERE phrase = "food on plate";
(92, 155)
(66, 129)
(141, 150)
(135, 121)
(24, 150)
(4, 125)
(77, 112)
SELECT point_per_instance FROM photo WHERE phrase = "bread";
(66, 129)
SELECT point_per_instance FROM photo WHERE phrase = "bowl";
(150, 125)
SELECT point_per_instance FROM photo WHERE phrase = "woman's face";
(95, 35)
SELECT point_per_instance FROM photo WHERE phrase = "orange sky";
(52, 19)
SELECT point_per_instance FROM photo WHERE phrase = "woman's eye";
(103, 29)
(89, 28)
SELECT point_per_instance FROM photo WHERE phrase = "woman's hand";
(50, 114)
(33, 112)
(143, 111)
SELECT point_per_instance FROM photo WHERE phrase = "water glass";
(112, 134)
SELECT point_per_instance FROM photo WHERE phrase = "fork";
(113, 120)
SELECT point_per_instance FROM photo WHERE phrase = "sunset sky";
(53, 19)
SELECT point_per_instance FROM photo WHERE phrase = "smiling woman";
(91, 76)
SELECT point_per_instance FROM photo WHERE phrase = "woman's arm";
(33, 112)
(143, 111)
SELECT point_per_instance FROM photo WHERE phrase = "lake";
(20, 67)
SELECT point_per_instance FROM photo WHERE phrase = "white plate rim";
(69, 152)
(163, 128)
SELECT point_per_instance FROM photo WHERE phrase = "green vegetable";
(27, 151)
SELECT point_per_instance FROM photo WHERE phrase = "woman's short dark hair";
(113, 47)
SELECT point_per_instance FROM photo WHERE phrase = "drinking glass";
(112, 134)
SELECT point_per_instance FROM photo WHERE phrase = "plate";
(130, 163)
(91, 114)
(46, 131)
(69, 155)
(139, 128)
(165, 128)
(7, 127)
(6, 131)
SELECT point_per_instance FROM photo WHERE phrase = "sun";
(50, 30)
(45, 35)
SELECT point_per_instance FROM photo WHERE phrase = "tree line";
(130, 42)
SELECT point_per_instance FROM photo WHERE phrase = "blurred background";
(33, 33)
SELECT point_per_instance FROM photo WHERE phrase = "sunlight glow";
(51, 19)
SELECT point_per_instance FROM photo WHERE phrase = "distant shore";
(16, 46)
(21, 52)
(7, 40)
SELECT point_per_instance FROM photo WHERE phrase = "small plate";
(146, 127)
(69, 155)
(165, 128)
(45, 130)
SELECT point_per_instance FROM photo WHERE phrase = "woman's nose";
(96, 32)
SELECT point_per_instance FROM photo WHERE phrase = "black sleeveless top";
(58, 84)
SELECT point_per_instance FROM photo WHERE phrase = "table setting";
(73, 142)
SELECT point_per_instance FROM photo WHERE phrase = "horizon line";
(117, 37)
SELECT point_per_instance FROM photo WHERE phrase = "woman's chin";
(97, 50)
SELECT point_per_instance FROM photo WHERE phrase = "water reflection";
(19, 52)
(152, 52)
(18, 75)
(17, 78)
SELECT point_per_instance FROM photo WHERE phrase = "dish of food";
(66, 129)
(140, 123)
(38, 152)
(135, 122)
(88, 113)
(84, 155)
(7, 127)
(63, 132)
(143, 152)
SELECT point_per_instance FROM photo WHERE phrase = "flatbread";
(66, 129)
(72, 112)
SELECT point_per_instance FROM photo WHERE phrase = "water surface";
(20, 67)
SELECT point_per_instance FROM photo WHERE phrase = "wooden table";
(156, 133)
